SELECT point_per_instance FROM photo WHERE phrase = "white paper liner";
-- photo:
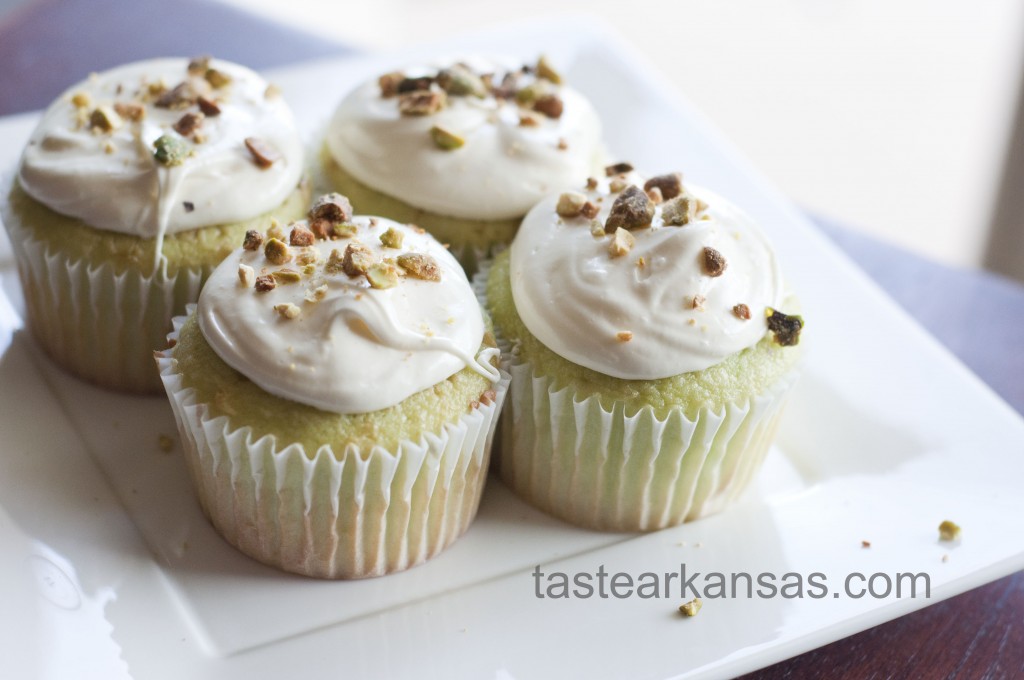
(352, 515)
(608, 470)
(100, 325)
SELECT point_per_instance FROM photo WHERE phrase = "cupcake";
(642, 324)
(133, 186)
(463, 149)
(336, 390)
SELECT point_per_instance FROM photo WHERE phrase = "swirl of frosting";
(305, 330)
(94, 154)
(509, 153)
(647, 302)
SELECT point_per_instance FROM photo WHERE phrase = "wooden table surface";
(979, 634)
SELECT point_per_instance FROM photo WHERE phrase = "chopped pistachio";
(277, 251)
(246, 275)
(309, 269)
(949, 531)
(618, 185)
(713, 261)
(422, 103)
(621, 243)
(597, 229)
(197, 65)
(265, 283)
(460, 81)
(382, 275)
(417, 84)
(389, 83)
(654, 193)
(277, 231)
(697, 302)
(335, 262)
(784, 327)
(357, 260)
(284, 276)
(591, 183)
(550, 105)
(526, 120)
(624, 336)
(617, 169)
(188, 123)
(300, 236)
(208, 107)
(272, 91)
(263, 153)
(217, 78)
(420, 266)
(741, 311)
(105, 119)
(333, 207)
(631, 210)
(570, 204)
(546, 71)
(253, 240)
(671, 185)
(526, 96)
(392, 238)
(170, 150)
(692, 607)
(130, 111)
(345, 230)
(679, 211)
(81, 100)
(288, 310)
(590, 210)
(563, 144)
(179, 97)
(446, 139)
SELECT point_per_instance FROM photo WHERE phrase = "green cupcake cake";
(463, 148)
(132, 188)
(650, 359)
(337, 391)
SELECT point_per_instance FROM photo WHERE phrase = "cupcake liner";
(100, 325)
(348, 514)
(614, 471)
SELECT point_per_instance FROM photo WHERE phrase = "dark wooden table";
(980, 317)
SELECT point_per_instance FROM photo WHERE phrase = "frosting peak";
(475, 139)
(643, 289)
(163, 146)
(349, 317)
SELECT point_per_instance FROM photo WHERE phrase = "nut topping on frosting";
(714, 262)
(721, 257)
(263, 153)
(300, 236)
(188, 124)
(785, 328)
(253, 240)
(631, 210)
(277, 251)
(334, 208)
(500, 124)
(170, 151)
(446, 139)
(670, 185)
(374, 328)
(570, 204)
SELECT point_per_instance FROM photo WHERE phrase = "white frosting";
(576, 299)
(111, 180)
(358, 349)
(500, 173)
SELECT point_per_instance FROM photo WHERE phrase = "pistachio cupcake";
(463, 149)
(649, 358)
(337, 390)
(133, 186)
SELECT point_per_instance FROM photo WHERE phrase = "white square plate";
(887, 436)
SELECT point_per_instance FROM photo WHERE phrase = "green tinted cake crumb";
(204, 247)
(949, 531)
(733, 380)
(226, 392)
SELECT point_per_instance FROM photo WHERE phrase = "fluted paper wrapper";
(100, 325)
(609, 470)
(352, 514)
